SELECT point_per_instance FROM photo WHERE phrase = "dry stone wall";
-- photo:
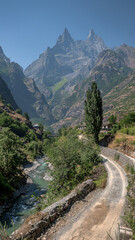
(123, 160)
(39, 222)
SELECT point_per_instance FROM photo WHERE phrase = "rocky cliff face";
(128, 54)
(110, 69)
(68, 61)
(6, 94)
(24, 90)
(113, 77)
(59, 69)
(64, 73)
(121, 99)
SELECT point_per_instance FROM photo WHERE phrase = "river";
(24, 206)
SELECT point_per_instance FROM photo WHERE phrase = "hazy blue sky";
(28, 27)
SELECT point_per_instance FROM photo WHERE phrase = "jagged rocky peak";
(3, 56)
(65, 39)
(95, 39)
(91, 35)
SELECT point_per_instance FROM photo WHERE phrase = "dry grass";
(123, 143)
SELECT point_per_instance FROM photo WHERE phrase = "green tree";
(10, 106)
(129, 119)
(5, 120)
(112, 119)
(41, 127)
(93, 111)
(11, 156)
(62, 131)
(72, 160)
(19, 111)
(26, 116)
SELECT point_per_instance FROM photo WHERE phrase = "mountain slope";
(24, 90)
(110, 72)
(6, 94)
(128, 54)
(121, 99)
(67, 62)
(59, 69)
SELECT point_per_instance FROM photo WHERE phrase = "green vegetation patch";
(72, 160)
(19, 142)
(129, 212)
(59, 85)
(101, 176)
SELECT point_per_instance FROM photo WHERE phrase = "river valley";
(26, 203)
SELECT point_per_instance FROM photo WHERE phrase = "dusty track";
(99, 218)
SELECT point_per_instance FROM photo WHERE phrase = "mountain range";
(24, 90)
(52, 89)
(65, 64)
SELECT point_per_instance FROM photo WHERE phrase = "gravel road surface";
(99, 216)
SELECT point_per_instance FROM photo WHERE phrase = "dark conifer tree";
(93, 111)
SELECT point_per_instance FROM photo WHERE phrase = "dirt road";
(99, 218)
(96, 218)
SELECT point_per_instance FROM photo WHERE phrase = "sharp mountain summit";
(52, 89)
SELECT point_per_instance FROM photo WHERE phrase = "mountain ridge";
(24, 90)
(88, 60)
(64, 72)
(6, 94)
(70, 55)
(110, 72)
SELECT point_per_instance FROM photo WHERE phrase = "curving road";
(100, 219)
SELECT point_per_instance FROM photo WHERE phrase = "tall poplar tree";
(93, 111)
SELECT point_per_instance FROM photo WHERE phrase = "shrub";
(72, 161)
(3, 232)
(10, 106)
(26, 116)
(5, 187)
(31, 135)
(19, 111)
(133, 142)
(11, 156)
(116, 156)
(34, 148)
(5, 120)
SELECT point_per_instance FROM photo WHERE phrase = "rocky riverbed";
(24, 200)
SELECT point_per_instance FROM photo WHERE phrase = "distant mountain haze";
(53, 87)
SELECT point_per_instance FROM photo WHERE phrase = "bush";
(31, 136)
(3, 232)
(11, 156)
(19, 111)
(26, 116)
(34, 148)
(10, 106)
(16, 126)
(5, 120)
(62, 131)
(5, 188)
(19, 129)
(72, 161)
(116, 156)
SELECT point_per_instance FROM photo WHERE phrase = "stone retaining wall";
(39, 222)
(123, 232)
(123, 159)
